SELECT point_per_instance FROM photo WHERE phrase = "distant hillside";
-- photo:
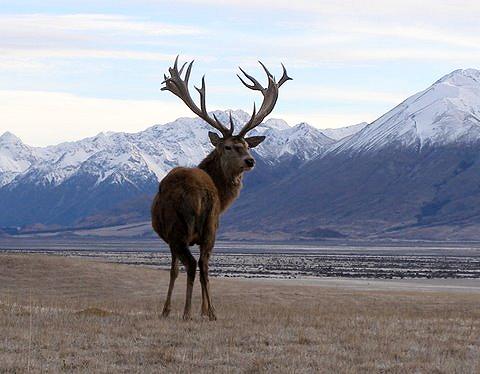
(111, 178)
(414, 173)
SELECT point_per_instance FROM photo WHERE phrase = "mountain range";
(82, 183)
(412, 173)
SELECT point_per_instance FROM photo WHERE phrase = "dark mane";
(228, 186)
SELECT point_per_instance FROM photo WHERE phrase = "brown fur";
(187, 207)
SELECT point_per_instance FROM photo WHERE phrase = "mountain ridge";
(155, 147)
(446, 112)
(390, 179)
(413, 170)
(103, 165)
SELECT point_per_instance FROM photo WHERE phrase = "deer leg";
(207, 307)
(173, 277)
(201, 264)
(204, 310)
(191, 267)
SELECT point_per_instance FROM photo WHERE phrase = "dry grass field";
(74, 315)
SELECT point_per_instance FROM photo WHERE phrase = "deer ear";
(214, 138)
(253, 141)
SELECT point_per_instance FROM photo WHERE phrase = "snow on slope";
(55, 164)
(15, 157)
(121, 157)
(446, 112)
(343, 132)
(302, 141)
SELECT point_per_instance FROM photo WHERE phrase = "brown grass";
(69, 315)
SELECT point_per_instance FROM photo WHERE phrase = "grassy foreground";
(69, 315)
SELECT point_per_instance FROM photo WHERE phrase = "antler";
(179, 87)
(270, 96)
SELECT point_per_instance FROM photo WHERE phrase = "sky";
(71, 69)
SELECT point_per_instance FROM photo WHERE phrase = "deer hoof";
(211, 315)
(165, 313)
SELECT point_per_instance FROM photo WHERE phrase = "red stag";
(189, 201)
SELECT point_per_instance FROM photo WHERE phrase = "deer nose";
(250, 162)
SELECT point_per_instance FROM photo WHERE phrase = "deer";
(187, 207)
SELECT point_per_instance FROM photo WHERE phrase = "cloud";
(326, 46)
(318, 93)
(78, 53)
(336, 32)
(341, 94)
(29, 39)
(330, 33)
(395, 54)
(412, 8)
(79, 26)
(42, 118)
(20, 65)
(420, 33)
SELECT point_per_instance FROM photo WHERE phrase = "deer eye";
(228, 148)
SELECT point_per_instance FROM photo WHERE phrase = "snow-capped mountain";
(412, 173)
(343, 132)
(447, 112)
(73, 180)
(302, 141)
(55, 164)
(15, 157)
(116, 157)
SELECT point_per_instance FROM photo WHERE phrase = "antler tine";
(229, 132)
(255, 86)
(179, 87)
(232, 126)
(284, 77)
(266, 70)
(270, 96)
(254, 113)
(252, 87)
(217, 124)
(201, 92)
(181, 69)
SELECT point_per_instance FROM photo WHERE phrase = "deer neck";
(228, 184)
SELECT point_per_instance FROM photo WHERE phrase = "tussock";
(95, 317)
(97, 312)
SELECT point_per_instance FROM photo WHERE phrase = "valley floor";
(75, 315)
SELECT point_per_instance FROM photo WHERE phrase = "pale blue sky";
(69, 70)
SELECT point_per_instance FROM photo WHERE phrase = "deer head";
(233, 149)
